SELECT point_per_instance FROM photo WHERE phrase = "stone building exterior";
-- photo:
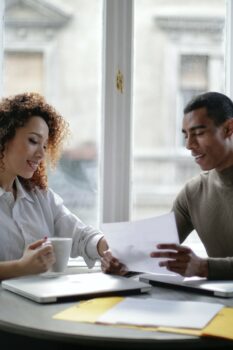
(55, 47)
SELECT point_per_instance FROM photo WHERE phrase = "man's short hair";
(219, 106)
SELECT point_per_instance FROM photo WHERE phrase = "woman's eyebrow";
(36, 134)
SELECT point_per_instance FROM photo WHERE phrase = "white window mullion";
(229, 49)
(2, 8)
(116, 135)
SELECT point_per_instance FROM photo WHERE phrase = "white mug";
(62, 248)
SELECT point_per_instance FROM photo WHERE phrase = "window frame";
(115, 163)
(229, 49)
(116, 148)
(2, 10)
(116, 207)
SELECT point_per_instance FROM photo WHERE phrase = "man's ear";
(228, 127)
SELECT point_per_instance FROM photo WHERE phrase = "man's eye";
(199, 133)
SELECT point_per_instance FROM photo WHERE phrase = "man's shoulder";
(198, 181)
(193, 192)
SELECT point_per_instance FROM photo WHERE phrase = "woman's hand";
(109, 264)
(37, 258)
(181, 260)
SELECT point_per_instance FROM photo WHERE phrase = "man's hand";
(109, 264)
(182, 260)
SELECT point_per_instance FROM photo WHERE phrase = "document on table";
(132, 242)
(91, 310)
(167, 313)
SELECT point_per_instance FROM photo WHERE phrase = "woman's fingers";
(37, 244)
(109, 264)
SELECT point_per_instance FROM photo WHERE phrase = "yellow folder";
(89, 311)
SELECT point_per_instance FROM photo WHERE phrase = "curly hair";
(15, 112)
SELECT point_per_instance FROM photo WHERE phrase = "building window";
(179, 52)
(23, 71)
(54, 48)
(193, 81)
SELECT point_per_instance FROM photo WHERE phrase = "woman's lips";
(33, 165)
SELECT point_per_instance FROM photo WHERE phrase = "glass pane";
(17, 66)
(54, 48)
(179, 52)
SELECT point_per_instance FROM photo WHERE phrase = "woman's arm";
(102, 246)
(36, 259)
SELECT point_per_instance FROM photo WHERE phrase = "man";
(205, 204)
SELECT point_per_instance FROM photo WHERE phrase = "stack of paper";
(167, 313)
(218, 321)
(132, 242)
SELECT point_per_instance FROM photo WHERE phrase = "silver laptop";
(79, 286)
(217, 288)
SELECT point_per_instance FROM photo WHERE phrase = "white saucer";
(51, 274)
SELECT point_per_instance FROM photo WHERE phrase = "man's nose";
(189, 142)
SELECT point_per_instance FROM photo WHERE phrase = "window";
(17, 66)
(178, 53)
(193, 81)
(54, 48)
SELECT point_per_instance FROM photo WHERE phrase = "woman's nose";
(40, 152)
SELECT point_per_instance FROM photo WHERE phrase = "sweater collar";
(226, 176)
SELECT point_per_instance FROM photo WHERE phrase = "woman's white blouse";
(39, 213)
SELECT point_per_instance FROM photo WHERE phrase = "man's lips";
(198, 156)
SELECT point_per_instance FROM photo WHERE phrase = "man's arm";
(181, 260)
(220, 268)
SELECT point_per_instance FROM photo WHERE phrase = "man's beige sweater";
(206, 205)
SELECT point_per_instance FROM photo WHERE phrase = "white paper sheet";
(167, 313)
(132, 242)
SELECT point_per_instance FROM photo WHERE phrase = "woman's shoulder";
(49, 192)
(46, 195)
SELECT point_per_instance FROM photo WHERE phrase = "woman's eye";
(33, 141)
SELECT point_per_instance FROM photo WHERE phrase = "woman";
(31, 131)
